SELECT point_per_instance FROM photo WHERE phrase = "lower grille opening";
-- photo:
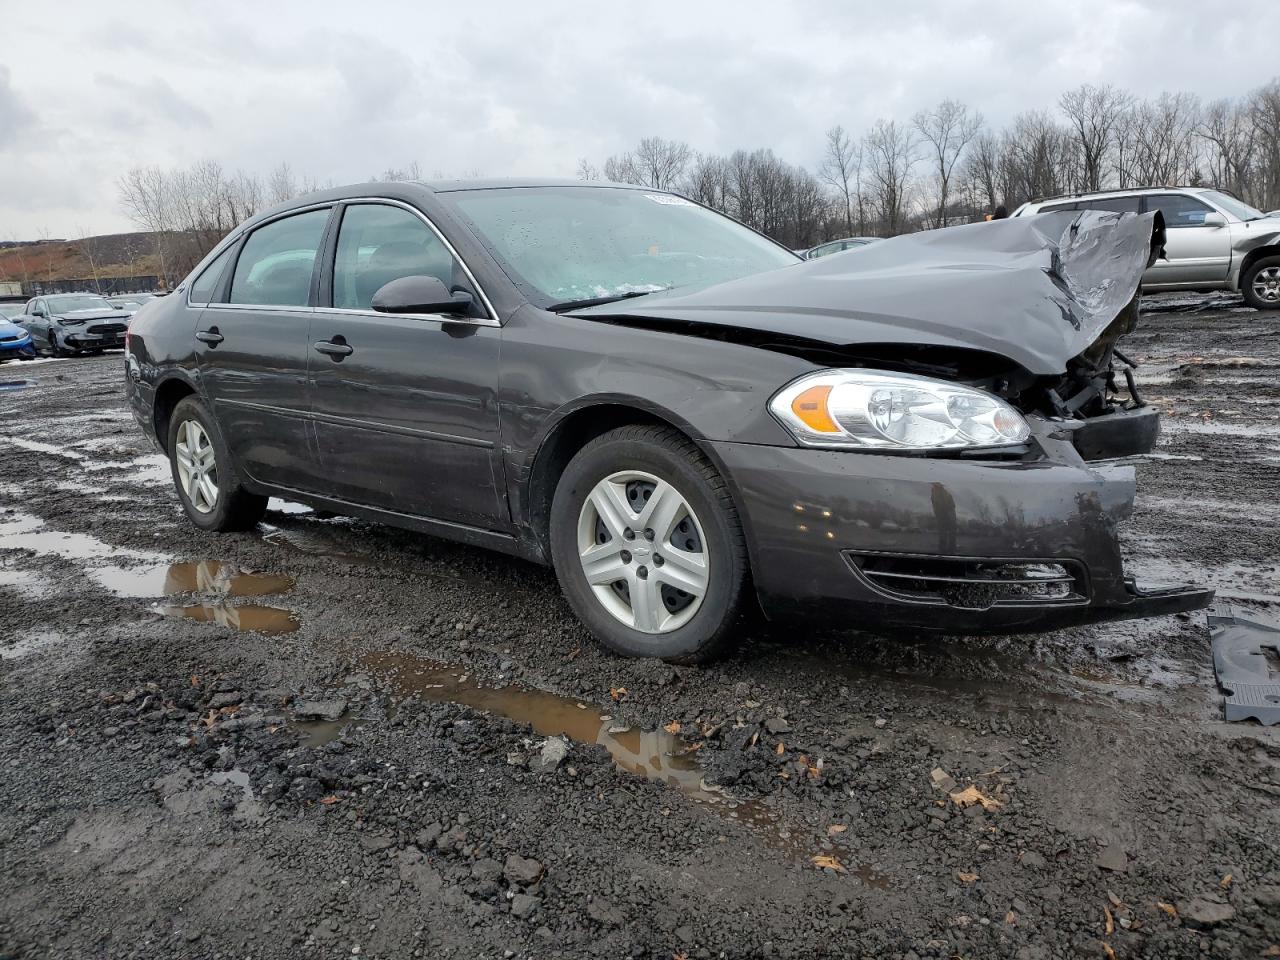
(971, 584)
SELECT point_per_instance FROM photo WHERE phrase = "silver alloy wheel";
(643, 552)
(1266, 285)
(197, 468)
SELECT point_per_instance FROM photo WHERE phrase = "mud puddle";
(203, 576)
(660, 755)
(257, 619)
(24, 531)
(218, 582)
(32, 641)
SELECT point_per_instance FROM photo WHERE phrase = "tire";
(1261, 284)
(56, 349)
(232, 507)
(699, 530)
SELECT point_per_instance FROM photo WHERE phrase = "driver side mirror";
(37, 311)
(1214, 219)
(419, 294)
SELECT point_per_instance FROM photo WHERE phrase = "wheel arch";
(169, 392)
(570, 430)
(1252, 257)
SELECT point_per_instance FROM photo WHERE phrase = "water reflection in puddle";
(655, 754)
(205, 576)
(255, 618)
(23, 531)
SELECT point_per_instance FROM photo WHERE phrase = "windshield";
(82, 302)
(1237, 208)
(562, 245)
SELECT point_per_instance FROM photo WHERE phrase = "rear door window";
(1114, 204)
(1179, 209)
(277, 261)
(203, 289)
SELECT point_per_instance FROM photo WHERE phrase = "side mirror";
(1214, 219)
(419, 295)
(37, 311)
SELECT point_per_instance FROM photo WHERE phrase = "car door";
(1195, 252)
(405, 406)
(36, 320)
(252, 347)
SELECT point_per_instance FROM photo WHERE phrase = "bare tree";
(1161, 147)
(948, 128)
(1264, 113)
(1094, 114)
(588, 170)
(890, 151)
(1229, 131)
(841, 168)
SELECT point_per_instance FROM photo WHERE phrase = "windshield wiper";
(597, 301)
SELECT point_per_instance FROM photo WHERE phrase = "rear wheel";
(648, 546)
(207, 483)
(1261, 284)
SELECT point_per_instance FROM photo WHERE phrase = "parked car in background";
(131, 303)
(1215, 242)
(64, 324)
(837, 246)
(15, 342)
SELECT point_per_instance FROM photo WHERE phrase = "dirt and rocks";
(327, 738)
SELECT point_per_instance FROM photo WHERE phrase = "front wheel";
(1261, 284)
(208, 486)
(648, 546)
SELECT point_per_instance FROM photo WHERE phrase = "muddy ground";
(327, 738)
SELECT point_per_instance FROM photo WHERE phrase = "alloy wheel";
(643, 552)
(197, 466)
(1266, 285)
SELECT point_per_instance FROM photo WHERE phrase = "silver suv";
(1214, 241)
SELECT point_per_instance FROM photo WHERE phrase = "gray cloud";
(342, 91)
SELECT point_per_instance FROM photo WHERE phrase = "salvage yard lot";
(327, 737)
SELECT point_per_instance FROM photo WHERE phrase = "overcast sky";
(344, 90)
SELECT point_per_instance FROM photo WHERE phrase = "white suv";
(1214, 241)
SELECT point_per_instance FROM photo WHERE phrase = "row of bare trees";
(945, 165)
(187, 211)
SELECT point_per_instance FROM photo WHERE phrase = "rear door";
(252, 348)
(405, 406)
(1196, 253)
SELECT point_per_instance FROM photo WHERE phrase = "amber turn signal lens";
(811, 408)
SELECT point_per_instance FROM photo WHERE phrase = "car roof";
(394, 189)
(1118, 192)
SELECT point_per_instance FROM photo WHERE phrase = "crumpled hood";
(1037, 290)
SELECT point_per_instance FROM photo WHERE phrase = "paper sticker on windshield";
(669, 200)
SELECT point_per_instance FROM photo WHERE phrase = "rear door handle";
(334, 348)
(210, 336)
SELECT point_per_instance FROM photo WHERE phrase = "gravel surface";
(328, 738)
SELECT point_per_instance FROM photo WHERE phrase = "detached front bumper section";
(942, 545)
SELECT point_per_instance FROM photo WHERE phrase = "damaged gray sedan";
(678, 414)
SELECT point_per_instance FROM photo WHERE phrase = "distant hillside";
(109, 255)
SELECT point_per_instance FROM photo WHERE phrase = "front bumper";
(17, 348)
(828, 529)
(93, 341)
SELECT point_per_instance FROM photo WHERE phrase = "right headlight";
(877, 410)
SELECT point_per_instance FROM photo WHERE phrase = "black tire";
(670, 456)
(57, 349)
(235, 508)
(1251, 296)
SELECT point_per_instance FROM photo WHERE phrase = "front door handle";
(335, 348)
(210, 336)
